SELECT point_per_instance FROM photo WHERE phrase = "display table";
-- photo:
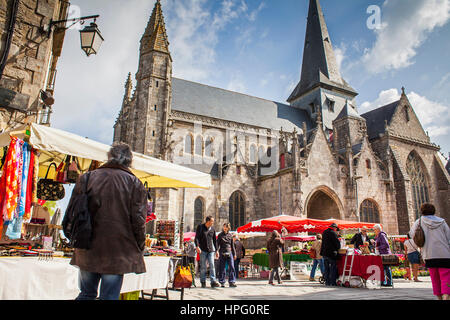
(56, 279)
(262, 259)
(364, 266)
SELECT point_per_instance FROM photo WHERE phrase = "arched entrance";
(237, 210)
(323, 204)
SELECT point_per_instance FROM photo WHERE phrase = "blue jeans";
(387, 276)
(207, 256)
(236, 267)
(223, 270)
(109, 289)
(330, 271)
(314, 267)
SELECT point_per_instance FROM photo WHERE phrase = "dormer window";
(313, 107)
(331, 104)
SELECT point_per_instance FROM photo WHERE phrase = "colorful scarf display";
(18, 186)
(9, 184)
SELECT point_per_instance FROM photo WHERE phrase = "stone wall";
(30, 53)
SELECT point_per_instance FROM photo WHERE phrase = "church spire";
(128, 87)
(155, 35)
(319, 61)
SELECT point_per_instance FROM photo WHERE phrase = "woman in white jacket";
(436, 250)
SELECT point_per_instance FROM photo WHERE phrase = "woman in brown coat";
(118, 238)
(275, 245)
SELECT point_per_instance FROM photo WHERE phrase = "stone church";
(314, 157)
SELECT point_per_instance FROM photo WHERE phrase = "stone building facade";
(28, 58)
(316, 157)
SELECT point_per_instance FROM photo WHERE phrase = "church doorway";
(322, 205)
(237, 210)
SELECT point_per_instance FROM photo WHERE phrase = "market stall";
(37, 162)
(56, 279)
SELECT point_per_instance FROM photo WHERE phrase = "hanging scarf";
(29, 196)
(24, 179)
(19, 149)
(9, 186)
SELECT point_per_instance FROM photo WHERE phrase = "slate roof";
(348, 111)
(448, 166)
(376, 119)
(204, 100)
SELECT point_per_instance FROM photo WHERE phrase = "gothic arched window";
(419, 185)
(237, 210)
(199, 208)
(188, 143)
(199, 146)
(253, 154)
(369, 212)
(209, 147)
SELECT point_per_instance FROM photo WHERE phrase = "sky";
(255, 47)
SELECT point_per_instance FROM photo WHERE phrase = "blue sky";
(255, 47)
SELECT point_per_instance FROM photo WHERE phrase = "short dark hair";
(209, 218)
(120, 154)
(427, 209)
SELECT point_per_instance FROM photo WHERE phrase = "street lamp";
(90, 36)
(91, 39)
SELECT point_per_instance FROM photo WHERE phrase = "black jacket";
(225, 243)
(205, 239)
(357, 240)
(330, 244)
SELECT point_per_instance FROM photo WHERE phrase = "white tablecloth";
(33, 279)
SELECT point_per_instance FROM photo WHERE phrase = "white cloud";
(434, 116)
(406, 26)
(385, 97)
(254, 14)
(193, 30)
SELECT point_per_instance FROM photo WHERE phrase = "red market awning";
(296, 224)
(292, 224)
(343, 224)
(300, 238)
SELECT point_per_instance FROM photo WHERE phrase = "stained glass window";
(419, 185)
(237, 210)
(369, 212)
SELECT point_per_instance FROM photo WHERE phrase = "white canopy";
(55, 144)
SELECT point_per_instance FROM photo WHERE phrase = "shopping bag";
(182, 278)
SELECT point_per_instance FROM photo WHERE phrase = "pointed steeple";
(319, 61)
(155, 35)
(128, 88)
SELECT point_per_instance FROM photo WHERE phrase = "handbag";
(50, 190)
(72, 171)
(182, 278)
(419, 235)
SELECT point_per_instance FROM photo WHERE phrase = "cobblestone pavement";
(305, 290)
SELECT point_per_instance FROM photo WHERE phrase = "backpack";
(77, 222)
(419, 235)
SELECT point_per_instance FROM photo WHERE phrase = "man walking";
(240, 253)
(117, 203)
(329, 251)
(206, 242)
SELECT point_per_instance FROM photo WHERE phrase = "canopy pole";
(182, 221)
